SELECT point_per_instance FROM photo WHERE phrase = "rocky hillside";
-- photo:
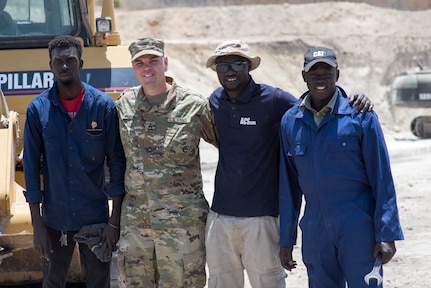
(373, 44)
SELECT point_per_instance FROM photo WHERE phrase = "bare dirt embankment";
(373, 45)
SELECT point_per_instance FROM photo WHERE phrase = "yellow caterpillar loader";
(26, 27)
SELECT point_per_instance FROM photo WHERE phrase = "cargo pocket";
(345, 144)
(194, 269)
(135, 270)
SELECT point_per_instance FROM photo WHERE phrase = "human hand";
(286, 258)
(41, 241)
(387, 249)
(361, 102)
(111, 234)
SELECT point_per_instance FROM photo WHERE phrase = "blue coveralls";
(73, 192)
(342, 169)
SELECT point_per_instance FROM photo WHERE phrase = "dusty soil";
(373, 45)
(410, 159)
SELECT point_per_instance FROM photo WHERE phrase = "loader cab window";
(37, 18)
(7, 24)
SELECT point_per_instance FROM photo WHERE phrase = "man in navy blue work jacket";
(338, 160)
(72, 130)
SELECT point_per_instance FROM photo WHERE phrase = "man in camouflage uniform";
(164, 210)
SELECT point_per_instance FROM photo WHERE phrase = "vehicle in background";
(413, 89)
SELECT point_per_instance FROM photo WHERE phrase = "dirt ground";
(410, 159)
(373, 45)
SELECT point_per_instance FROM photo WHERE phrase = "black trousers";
(97, 273)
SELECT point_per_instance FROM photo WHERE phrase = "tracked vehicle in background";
(26, 27)
(413, 89)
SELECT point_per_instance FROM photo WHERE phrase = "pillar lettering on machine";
(26, 81)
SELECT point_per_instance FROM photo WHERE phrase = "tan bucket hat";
(233, 47)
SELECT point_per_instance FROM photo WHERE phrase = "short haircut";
(64, 41)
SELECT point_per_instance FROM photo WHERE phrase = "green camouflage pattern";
(164, 189)
(180, 261)
(146, 46)
(163, 178)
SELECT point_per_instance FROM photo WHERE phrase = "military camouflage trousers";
(162, 258)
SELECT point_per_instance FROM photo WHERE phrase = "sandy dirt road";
(411, 163)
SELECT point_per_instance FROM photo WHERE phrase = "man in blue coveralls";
(71, 131)
(338, 160)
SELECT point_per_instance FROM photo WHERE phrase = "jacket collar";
(341, 107)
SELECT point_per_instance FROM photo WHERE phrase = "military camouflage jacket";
(163, 176)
